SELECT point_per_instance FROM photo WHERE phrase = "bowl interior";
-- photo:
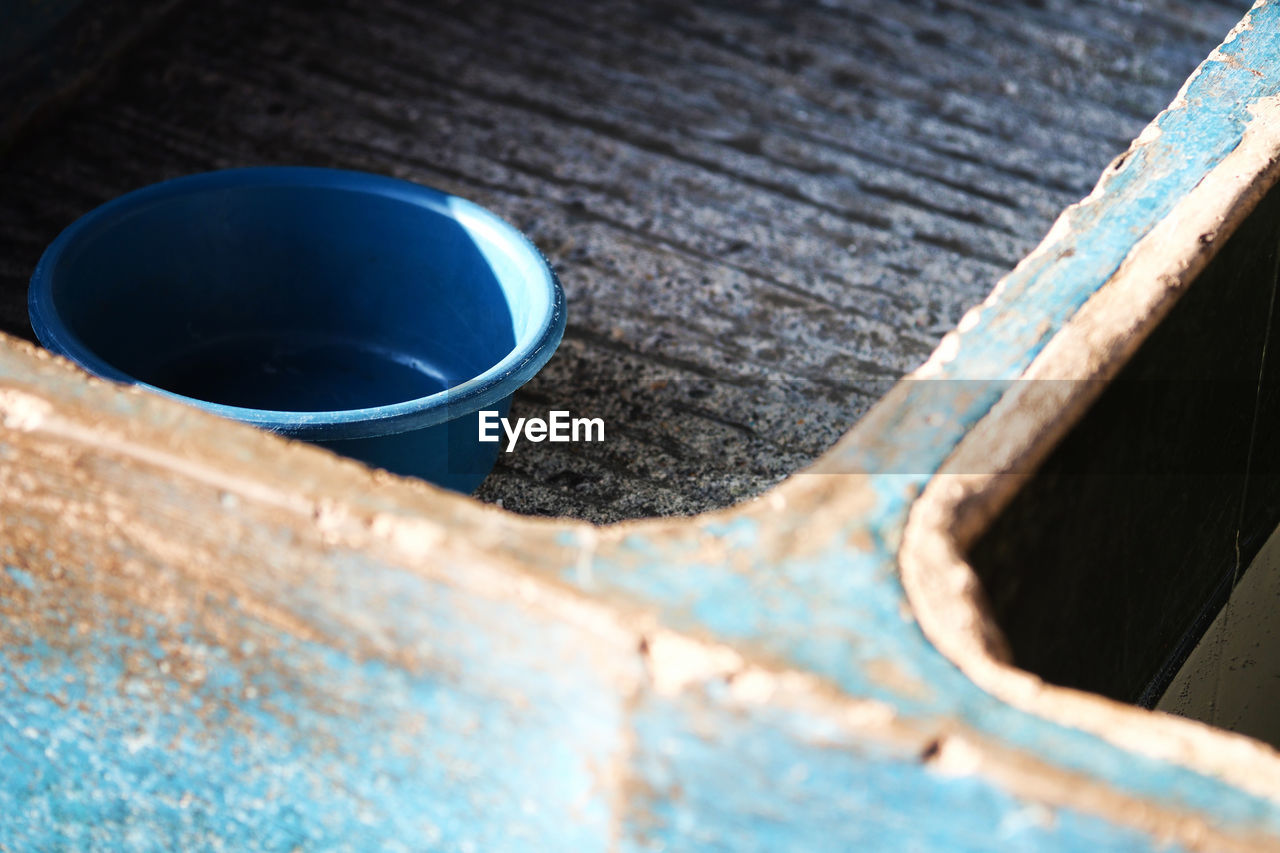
(296, 298)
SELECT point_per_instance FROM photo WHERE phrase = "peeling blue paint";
(808, 786)
(325, 750)
(422, 716)
(836, 612)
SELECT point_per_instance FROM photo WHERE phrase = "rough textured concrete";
(804, 671)
(49, 50)
(762, 213)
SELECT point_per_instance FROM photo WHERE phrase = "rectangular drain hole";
(1109, 570)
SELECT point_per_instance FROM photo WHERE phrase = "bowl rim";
(534, 345)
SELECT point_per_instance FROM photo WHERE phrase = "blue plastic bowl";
(370, 315)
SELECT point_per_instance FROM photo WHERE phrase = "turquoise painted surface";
(486, 749)
(411, 714)
(807, 785)
(837, 612)
(111, 742)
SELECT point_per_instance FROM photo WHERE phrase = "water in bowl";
(299, 373)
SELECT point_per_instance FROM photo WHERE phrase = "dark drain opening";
(1108, 568)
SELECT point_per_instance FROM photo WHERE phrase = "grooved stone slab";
(763, 213)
